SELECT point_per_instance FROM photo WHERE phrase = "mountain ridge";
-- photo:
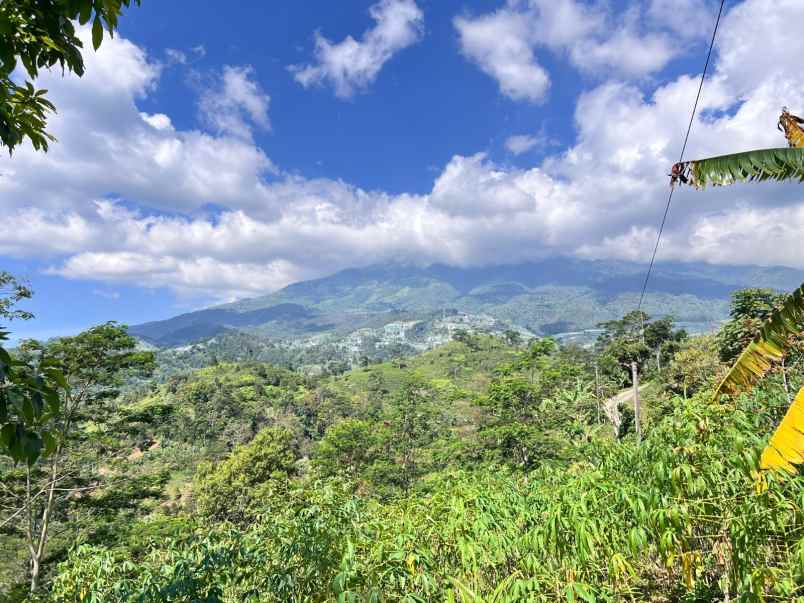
(544, 297)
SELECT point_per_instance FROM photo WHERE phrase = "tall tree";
(36, 34)
(94, 365)
(415, 423)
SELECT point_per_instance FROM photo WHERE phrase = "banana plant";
(764, 164)
(767, 348)
(786, 447)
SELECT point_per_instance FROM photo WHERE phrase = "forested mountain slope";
(545, 298)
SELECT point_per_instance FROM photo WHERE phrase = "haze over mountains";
(550, 297)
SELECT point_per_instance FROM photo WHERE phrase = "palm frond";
(786, 447)
(763, 164)
(768, 347)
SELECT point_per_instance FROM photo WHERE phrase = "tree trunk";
(637, 413)
(784, 382)
(38, 552)
(597, 391)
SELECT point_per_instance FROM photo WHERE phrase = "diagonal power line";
(681, 157)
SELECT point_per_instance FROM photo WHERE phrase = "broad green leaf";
(97, 32)
(760, 165)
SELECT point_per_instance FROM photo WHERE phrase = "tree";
(347, 445)
(29, 392)
(635, 338)
(511, 398)
(535, 356)
(13, 291)
(759, 165)
(749, 309)
(513, 338)
(237, 487)
(414, 423)
(778, 335)
(694, 366)
(41, 34)
(94, 364)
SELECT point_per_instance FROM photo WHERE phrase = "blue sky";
(211, 154)
(414, 116)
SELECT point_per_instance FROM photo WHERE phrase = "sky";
(214, 151)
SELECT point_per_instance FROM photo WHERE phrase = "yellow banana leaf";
(790, 125)
(768, 347)
(786, 447)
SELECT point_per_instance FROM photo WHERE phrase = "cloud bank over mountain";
(127, 196)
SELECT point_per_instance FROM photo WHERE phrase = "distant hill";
(550, 297)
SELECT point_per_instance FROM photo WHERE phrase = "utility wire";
(681, 157)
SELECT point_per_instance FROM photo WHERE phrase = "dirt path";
(611, 407)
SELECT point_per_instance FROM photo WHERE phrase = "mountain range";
(555, 296)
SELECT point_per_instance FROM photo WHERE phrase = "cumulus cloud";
(600, 197)
(107, 145)
(690, 19)
(501, 45)
(351, 65)
(504, 43)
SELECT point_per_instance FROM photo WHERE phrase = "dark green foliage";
(30, 406)
(29, 391)
(13, 291)
(253, 474)
(349, 445)
(676, 519)
(62, 424)
(41, 34)
(474, 472)
(749, 310)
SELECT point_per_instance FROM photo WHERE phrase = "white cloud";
(522, 143)
(235, 102)
(500, 43)
(504, 44)
(176, 57)
(158, 121)
(107, 145)
(600, 197)
(181, 57)
(351, 65)
(676, 15)
(626, 52)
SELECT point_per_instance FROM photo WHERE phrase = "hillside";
(475, 467)
(550, 297)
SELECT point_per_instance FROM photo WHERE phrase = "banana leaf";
(767, 348)
(760, 165)
(786, 447)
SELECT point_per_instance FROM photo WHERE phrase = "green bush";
(252, 474)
